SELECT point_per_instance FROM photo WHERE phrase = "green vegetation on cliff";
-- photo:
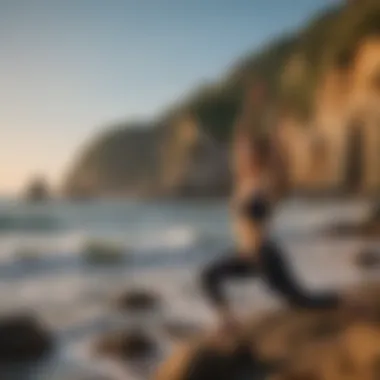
(291, 67)
(129, 159)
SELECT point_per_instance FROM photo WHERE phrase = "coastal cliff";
(319, 80)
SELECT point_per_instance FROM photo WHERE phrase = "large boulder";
(298, 344)
(23, 339)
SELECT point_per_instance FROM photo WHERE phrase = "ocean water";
(43, 268)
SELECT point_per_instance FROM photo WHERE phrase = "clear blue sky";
(68, 67)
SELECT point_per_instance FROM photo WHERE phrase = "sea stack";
(37, 190)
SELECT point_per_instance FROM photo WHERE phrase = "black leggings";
(272, 267)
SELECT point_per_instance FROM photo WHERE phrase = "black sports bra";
(256, 208)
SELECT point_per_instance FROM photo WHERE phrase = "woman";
(259, 181)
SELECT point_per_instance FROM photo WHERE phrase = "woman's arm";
(279, 166)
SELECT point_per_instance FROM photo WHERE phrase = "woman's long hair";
(256, 137)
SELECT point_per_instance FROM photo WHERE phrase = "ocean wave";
(28, 223)
(171, 237)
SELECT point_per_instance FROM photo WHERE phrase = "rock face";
(151, 160)
(339, 151)
(122, 162)
(23, 339)
(192, 164)
(325, 345)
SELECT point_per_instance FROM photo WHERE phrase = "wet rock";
(369, 228)
(127, 344)
(179, 330)
(138, 300)
(368, 259)
(23, 339)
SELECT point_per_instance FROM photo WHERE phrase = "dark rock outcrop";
(23, 339)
